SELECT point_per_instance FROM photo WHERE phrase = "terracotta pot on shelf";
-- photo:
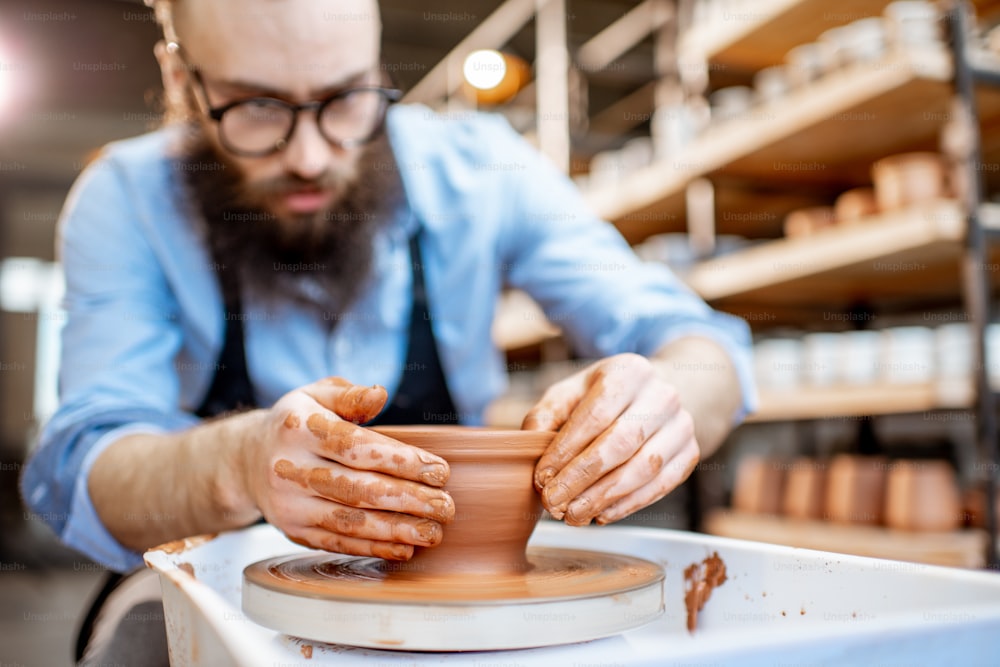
(855, 489)
(907, 179)
(855, 205)
(805, 489)
(759, 486)
(974, 507)
(922, 496)
(807, 221)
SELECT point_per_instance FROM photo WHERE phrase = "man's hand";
(330, 484)
(623, 441)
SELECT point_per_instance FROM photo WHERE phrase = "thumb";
(555, 406)
(350, 402)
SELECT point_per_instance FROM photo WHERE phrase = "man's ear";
(172, 73)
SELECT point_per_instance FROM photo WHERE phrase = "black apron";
(422, 396)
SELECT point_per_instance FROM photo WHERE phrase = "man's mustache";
(288, 183)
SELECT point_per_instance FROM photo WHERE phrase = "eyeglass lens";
(257, 126)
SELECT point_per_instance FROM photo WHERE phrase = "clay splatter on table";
(700, 579)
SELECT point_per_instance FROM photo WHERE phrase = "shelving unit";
(805, 148)
(815, 142)
(932, 254)
(775, 132)
(760, 34)
(905, 255)
(898, 103)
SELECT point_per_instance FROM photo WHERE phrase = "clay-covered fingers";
(602, 393)
(364, 532)
(317, 538)
(351, 402)
(669, 478)
(640, 427)
(363, 449)
(664, 461)
(379, 526)
(369, 490)
(594, 407)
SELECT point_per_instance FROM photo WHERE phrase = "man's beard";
(255, 252)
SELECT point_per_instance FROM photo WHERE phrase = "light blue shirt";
(145, 326)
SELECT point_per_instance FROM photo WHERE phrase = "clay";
(481, 562)
(759, 486)
(855, 489)
(357, 404)
(343, 441)
(807, 221)
(805, 483)
(700, 579)
(922, 496)
(496, 506)
(909, 178)
(180, 546)
(974, 507)
(855, 205)
(550, 573)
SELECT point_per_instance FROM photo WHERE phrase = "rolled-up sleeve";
(117, 372)
(592, 285)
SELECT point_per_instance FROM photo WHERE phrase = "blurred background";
(802, 164)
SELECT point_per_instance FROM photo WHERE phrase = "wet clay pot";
(496, 506)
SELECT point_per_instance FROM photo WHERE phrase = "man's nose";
(308, 154)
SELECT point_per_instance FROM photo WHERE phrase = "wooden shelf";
(825, 134)
(854, 401)
(962, 548)
(757, 34)
(752, 35)
(808, 402)
(904, 255)
(892, 255)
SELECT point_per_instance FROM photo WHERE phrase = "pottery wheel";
(565, 596)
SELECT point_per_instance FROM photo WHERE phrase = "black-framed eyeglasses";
(261, 126)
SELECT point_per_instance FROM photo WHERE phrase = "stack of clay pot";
(909, 495)
(974, 505)
(900, 182)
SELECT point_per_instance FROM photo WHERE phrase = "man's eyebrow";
(255, 89)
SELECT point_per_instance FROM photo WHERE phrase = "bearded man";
(295, 257)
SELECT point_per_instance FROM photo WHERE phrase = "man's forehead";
(314, 41)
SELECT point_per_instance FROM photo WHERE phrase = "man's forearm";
(150, 489)
(708, 386)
